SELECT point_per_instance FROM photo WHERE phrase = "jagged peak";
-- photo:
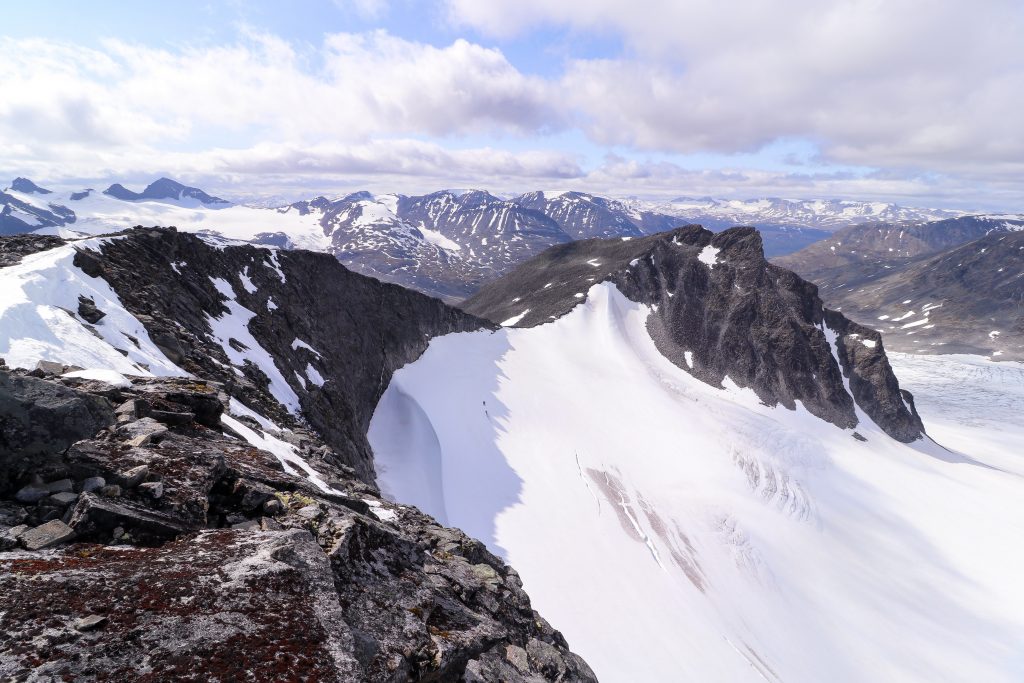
(719, 309)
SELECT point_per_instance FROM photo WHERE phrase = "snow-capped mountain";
(164, 188)
(584, 216)
(951, 286)
(445, 243)
(820, 214)
(24, 207)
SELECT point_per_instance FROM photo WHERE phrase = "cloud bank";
(918, 99)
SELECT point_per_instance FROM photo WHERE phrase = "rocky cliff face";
(225, 525)
(302, 309)
(720, 310)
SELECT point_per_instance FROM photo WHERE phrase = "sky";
(920, 102)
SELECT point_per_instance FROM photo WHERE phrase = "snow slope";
(675, 531)
(38, 321)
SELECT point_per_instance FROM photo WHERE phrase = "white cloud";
(352, 87)
(899, 83)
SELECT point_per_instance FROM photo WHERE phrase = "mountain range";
(950, 286)
(446, 243)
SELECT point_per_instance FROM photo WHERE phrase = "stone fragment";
(48, 367)
(46, 535)
(9, 537)
(110, 491)
(516, 656)
(31, 494)
(60, 486)
(153, 489)
(140, 432)
(97, 518)
(273, 507)
(93, 484)
(127, 411)
(63, 499)
(90, 623)
(175, 419)
(247, 524)
(134, 476)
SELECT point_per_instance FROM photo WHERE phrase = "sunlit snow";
(675, 531)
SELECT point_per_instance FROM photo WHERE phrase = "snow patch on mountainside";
(675, 531)
(437, 239)
(233, 326)
(39, 300)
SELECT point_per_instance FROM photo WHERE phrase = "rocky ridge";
(302, 309)
(142, 537)
(719, 309)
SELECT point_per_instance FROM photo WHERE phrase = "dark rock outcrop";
(735, 315)
(307, 310)
(39, 418)
(241, 571)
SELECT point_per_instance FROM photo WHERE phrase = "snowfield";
(675, 531)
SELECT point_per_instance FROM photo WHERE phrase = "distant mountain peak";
(27, 186)
(163, 188)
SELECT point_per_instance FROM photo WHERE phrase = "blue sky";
(654, 98)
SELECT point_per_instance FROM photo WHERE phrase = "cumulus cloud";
(351, 87)
(897, 83)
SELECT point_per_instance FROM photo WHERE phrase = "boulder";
(9, 537)
(90, 623)
(45, 535)
(153, 489)
(31, 494)
(135, 476)
(93, 484)
(63, 499)
(141, 432)
(95, 518)
(40, 419)
(87, 310)
(49, 367)
(60, 486)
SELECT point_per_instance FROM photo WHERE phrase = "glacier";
(678, 531)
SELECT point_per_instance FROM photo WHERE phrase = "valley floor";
(675, 531)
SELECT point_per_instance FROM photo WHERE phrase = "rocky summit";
(720, 310)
